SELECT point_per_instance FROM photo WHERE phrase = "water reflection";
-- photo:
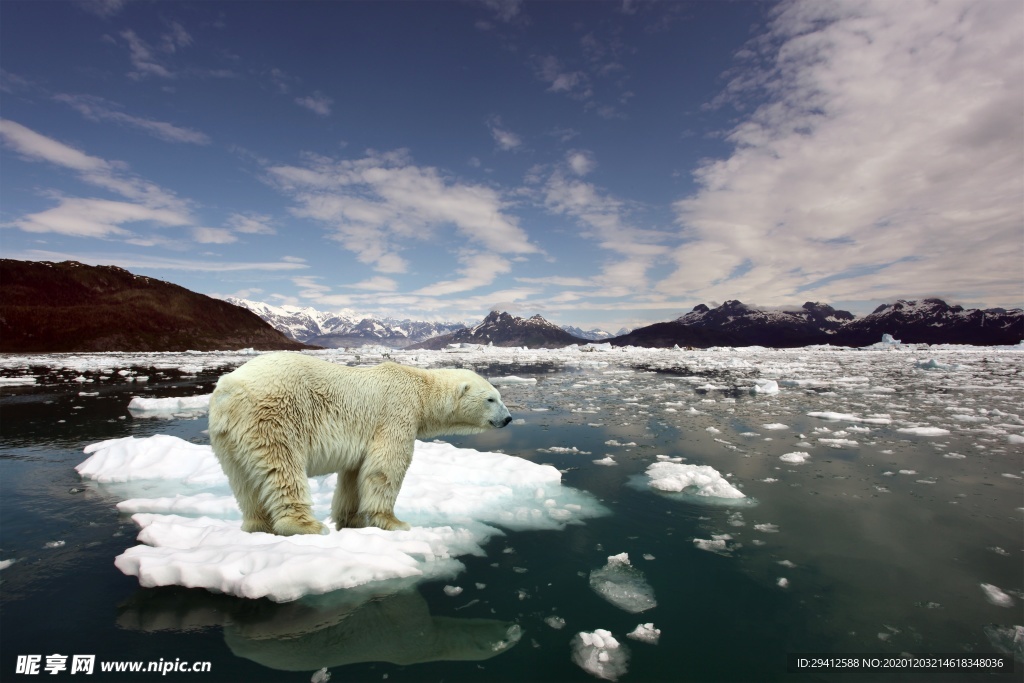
(345, 627)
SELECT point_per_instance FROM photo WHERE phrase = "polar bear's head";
(478, 405)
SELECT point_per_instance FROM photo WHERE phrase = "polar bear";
(283, 417)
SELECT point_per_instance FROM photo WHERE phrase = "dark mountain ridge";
(70, 306)
(928, 321)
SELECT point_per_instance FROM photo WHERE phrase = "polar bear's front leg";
(379, 481)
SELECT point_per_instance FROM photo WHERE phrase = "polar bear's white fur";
(283, 417)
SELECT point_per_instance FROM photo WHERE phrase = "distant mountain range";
(346, 328)
(349, 329)
(69, 306)
(928, 321)
(51, 307)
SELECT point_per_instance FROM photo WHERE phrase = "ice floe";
(452, 497)
(623, 585)
(645, 633)
(169, 407)
(702, 481)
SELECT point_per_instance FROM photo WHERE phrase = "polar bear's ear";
(463, 389)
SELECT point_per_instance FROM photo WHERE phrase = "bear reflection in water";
(345, 627)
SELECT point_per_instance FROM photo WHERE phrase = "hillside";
(69, 306)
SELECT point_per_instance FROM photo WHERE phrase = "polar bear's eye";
(490, 400)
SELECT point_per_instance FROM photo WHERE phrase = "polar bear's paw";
(387, 522)
(293, 527)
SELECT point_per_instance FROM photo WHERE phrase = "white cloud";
(318, 103)
(605, 220)
(885, 160)
(213, 236)
(506, 140)
(129, 261)
(143, 57)
(32, 145)
(95, 218)
(251, 223)
(478, 270)
(376, 284)
(581, 162)
(574, 83)
(98, 109)
(376, 206)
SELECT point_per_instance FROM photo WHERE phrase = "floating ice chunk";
(452, 591)
(996, 596)
(700, 480)
(4, 564)
(645, 633)
(797, 458)
(54, 544)
(599, 654)
(718, 543)
(713, 430)
(767, 528)
(322, 675)
(923, 431)
(786, 563)
(511, 379)
(783, 582)
(607, 461)
(775, 425)
(847, 417)
(168, 407)
(452, 496)
(555, 622)
(838, 443)
(623, 585)
(766, 386)
(1015, 438)
(24, 381)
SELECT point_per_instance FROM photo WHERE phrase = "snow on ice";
(697, 480)
(452, 497)
(600, 654)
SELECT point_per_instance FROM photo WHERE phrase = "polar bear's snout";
(502, 419)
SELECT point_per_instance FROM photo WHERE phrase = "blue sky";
(602, 164)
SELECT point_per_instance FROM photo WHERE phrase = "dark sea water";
(875, 560)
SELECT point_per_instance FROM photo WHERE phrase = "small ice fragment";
(623, 585)
(700, 480)
(767, 528)
(54, 544)
(600, 654)
(607, 461)
(787, 564)
(783, 582)
(797, 458)
(996, 596)
(452, 591)
(555, 622)
(923, 431)
(775, 425)
(321, 676)
(4, 564)
(645, 633)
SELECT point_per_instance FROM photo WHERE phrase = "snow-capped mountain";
(929, 321)
(933, 321)
(505, 329)
(344, 328)
(594, 334)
